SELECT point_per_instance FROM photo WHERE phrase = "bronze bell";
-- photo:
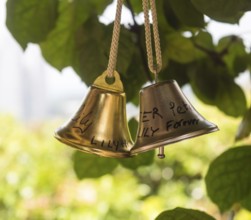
(166, 116)
(100, 125)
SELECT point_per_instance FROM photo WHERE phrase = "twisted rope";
(155, 68)
(115, 41)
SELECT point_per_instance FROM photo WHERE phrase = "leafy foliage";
(70, 33)
(92, 166)
(244, 129)
(228, 179)
(215, 86)
(223, 10)
(24, 27)
(187, 13)
(184, 214)
(235, 58)
(180, 49)
(231, 98)
(78, 48)
(133, 163)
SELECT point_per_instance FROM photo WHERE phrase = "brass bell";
(166, 116)
(100, 125)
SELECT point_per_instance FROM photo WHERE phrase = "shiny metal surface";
(100, 125)
(166, 116)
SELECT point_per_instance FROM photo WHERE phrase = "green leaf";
(187, 13)
(234, 54)
(59, 47)
(204, 81)
(249, 61)
(244, 128)
(213, 85)
(91, 54)
(86, 53)
(179, 48)
(133, 127)
(169, 15)
(75, 41)
(177, 71)
(225, 42)
(204, 39)
(240, 64)
(135, 77)
(92, 45)
(98, 5)
(126, 49)
(143, 159)
(231, 98)
(184, 214)
(228, 179)
(223, 10)
(92, 166)
(31, 21)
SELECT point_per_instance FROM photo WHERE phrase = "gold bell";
(100, 125)
(166, 116)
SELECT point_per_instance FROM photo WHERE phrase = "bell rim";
(142, 149)
(96, 151)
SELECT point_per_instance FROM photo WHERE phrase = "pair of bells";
(100, 125)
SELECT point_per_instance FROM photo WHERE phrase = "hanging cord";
(115, 41)
(155, 67)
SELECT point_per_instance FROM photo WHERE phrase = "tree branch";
(129, 5)
(217, 56)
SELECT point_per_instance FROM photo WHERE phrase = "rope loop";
(154, 67)
(115, 41)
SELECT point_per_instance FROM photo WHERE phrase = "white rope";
(115, 41)
(155, 68)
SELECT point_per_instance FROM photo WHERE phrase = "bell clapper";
(161, 154)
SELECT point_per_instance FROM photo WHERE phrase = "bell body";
(166, 116)
(100, 125)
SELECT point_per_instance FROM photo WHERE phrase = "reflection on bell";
(166, 116)
(100, 125)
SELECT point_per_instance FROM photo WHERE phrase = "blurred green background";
(37, 180)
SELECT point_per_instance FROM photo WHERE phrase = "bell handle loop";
(102, 82)
(115, 41)
(155, 67)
